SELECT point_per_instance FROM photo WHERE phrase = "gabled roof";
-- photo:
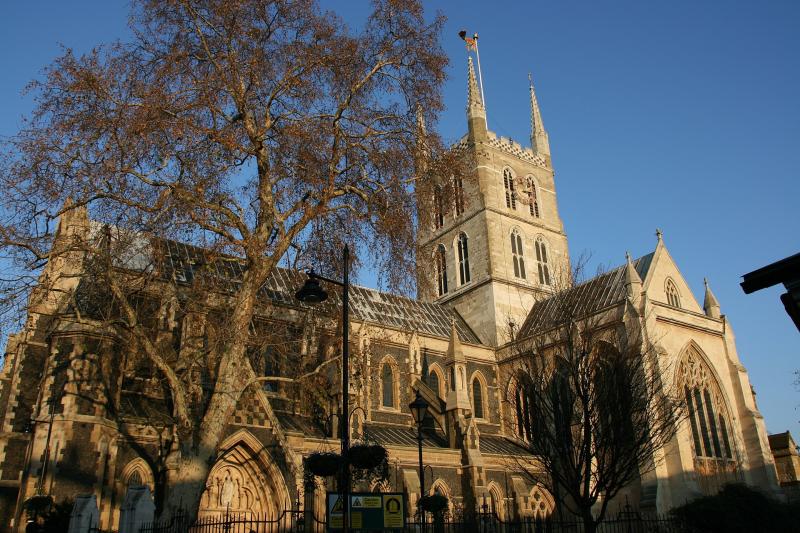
(585, 298)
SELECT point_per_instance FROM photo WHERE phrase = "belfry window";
(463, 258)
(508, 184)
(533, 200)
(517, 255)
(441, 270)
(541, 262)
(458, 194)
(673, 298)
(438, 207)
(387, 382)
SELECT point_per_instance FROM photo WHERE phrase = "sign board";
(368, 510)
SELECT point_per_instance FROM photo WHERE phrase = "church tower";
(498, 242)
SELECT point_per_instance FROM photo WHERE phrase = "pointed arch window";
(438, 207)
(387, 383)
(541, 262)
(523, 414)
(463, 258)
(441, 270)
(673, 298)
(458, 194)
(477, 398)
(508, 184)
(433, 382)
(533, 199)
(517, 254)
(706, 409)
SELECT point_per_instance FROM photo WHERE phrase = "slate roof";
(585, 298)
(183, 262)
(299, 423)
(403, 436)
(499, 445)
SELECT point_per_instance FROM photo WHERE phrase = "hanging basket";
(323, 464)
(367, 456)
(433, 503)
(38, 504)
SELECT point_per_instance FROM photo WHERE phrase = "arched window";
(517, 255)
(508, 183)
(706, 408)
(438, 207)
(533, 199)
(441, 270)
(541, 262)
(523, 418)
(673, 298)
(387, 382)
(434, 383)
(458, 194)
(477, 398)
(463, 258)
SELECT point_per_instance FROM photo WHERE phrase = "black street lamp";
(312, 293)
(419, 408)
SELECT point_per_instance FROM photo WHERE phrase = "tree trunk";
(589, 524)
(186, 481)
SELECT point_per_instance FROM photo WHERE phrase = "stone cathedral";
(494, 261)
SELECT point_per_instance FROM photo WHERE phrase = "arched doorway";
(244, 480)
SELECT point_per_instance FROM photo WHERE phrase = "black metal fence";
(293, 521)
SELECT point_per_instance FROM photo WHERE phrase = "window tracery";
(673, 297)
(708, 414)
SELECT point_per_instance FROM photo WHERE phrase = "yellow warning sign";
(356, 521)
(337, 506)
(392, 511)
(367, 502)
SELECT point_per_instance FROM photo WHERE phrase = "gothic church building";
(496, 249)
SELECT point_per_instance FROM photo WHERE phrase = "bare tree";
(255, 131)
(589, 401)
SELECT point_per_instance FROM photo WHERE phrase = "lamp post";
(419, 408)
(312, 293)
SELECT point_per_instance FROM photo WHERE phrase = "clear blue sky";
(681, 115)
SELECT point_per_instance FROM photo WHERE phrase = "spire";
(425, 367)
(476, 112)
(422, 151)
(633, 282)
(473, 91)
(710, 304)
(539, 139)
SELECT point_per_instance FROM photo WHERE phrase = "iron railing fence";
(293, 521)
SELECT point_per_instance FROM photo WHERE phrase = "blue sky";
(680, 115)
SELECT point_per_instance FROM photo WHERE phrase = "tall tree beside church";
(590, 401)
(258, 130)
